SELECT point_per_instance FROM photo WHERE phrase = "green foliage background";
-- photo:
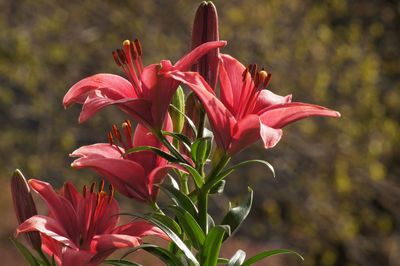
(336, 196)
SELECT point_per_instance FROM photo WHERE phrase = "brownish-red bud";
(205, 29)
(24, 206)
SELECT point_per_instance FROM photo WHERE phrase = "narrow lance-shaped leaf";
(237, 259)
(192, 229)
(236, 216)
(159, 152)
(179, 198)
(170, 233)
(212, 246)
(267, 254)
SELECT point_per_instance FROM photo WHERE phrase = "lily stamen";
(123, 58)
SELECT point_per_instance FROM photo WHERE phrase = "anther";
(92, 187)
(134, 51)
(244, 75)
(101, 186)
(84, 191)
(126, 43)
(110, 193)
(122, 56)
(116, 132)
(116, 58)
(138, 47)
(110, 138)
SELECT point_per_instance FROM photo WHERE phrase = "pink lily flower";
(145, 97)
(246, 111)
(133, 175)
(82, 229)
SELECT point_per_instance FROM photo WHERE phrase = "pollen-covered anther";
(134, 51)
(127, 128)
(116, 133)
(101, 186)
(126, 43)
(110, 138)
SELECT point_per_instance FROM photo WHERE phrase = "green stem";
(218, 168)
(183, 180)
(155, 207)
(43, 256)
(202, 121)
(202, 203)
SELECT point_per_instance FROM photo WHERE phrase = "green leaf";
(222, 261)
(190, 226)
(212, 246)
(200, 150)
(26, 253)
(121, 263)
(163, 254)
(268, 254)
(170, 233)
(190, 122)
(218, 188)
(182, 138)
(171, 158)
(174, 226)
(197, 178)
(230, 170)
(210, 221)
(236, 216)
(179, 198)
(237, 259)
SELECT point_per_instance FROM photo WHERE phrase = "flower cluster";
(82, 228)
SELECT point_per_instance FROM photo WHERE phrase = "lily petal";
(60, 208)
(185, 62)
(114, 86)
(279, 115)
(48, 226)
(140, 229)
(125, 175)
(268, 98)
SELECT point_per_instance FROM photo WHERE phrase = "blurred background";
(336, 195)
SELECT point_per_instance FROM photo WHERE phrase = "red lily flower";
(145, 97)
(246, 111)
(82, 229)
(133, 175)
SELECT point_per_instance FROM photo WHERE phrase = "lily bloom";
(145, 96)
(82, 229)
(134, 174)
(246, 110)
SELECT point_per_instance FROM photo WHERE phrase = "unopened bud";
(24, 206)
(205, 29)
(178, 119)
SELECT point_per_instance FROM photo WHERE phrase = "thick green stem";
(202, 203)
(183, 180)
(202, 122)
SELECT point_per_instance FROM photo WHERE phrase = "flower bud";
(24, 205)
(178, 119)
(205, 29)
